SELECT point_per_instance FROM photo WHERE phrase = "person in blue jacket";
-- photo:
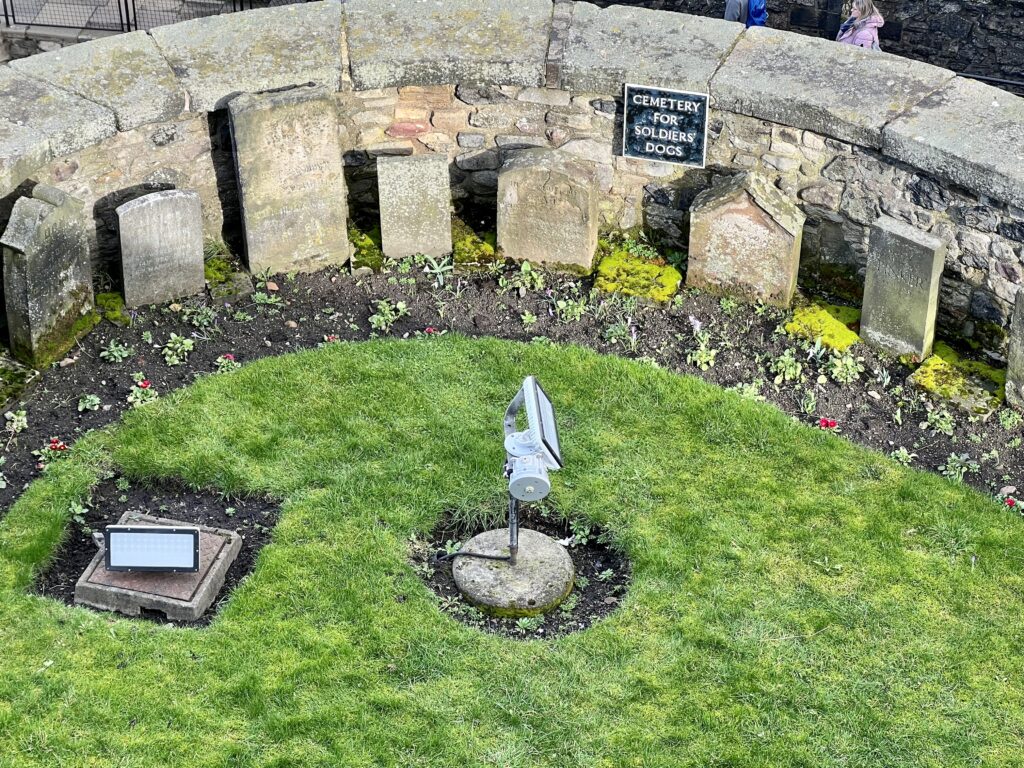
(753, 13)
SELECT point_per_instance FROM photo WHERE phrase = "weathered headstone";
(47, 276)
(547, 209)
(415, 205)
(291, 178)
(161, 247)
(901, 288)
(745, 240)
(1015, 370)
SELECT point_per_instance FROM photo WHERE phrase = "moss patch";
(972, 385)
(366, 248)
(470, 249)
(832, 323)
(622, 272)
(111, 306)
(217, 270)
(52, 345)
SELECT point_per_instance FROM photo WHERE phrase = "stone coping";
(957, 130)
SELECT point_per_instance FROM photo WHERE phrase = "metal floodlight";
(151, 548)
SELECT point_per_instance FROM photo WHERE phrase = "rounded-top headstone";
(541, 578)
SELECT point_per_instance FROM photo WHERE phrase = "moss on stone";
(217, 270)
(366, 248)
(832, 323)
(970, 384)
(111, 306)
(52, 345)
(621, 272)
(470, 249)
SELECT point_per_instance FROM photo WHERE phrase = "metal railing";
(119, 15)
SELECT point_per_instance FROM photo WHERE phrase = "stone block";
(968, 133)
(1015, 368)
(745, 238)
(47, 277)
(126, 73)
(607, 47)
(841, 91)
(161, 247)
(424, 42)
(218, 57)
(901, 288)
(38, 121)
(415, 205)
(291, 178)
(179, 596)
(548, 209)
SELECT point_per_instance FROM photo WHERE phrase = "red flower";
(1011, 502)
(145, 384)
(823, 423)
(832, 424)
(430, 329)
(229, 356)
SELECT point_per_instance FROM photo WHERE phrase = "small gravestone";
(548, 209)
(47, 275)
(161, 247)
(415, 205)
(291, 179)
(179, 596)
(1015, 370)
(901, 288)
(745, 240)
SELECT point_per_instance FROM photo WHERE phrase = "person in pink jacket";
(862, 27)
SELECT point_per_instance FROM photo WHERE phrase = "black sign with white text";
(666, 126)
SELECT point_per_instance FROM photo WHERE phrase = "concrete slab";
(607, 47)
(968, 133)
(426, 42)
(179, 596)
(842, 91)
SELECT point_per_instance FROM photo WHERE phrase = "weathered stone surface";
(901, 289)
(124, 73)
(745, 238)
(1015, 369)
(541, 578)
(608, 47)
(179, 596)
(291, 179)
(842, 91)
(424, 42)
(161, 247)
(548, 209)
(47, 278)
(39, 121)
(968, 133)
(415, 205)
(218, 57)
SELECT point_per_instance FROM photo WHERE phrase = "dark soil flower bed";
(602, 573)
(252, 518)
(879, 408)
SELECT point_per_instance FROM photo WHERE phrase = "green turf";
(797, 600)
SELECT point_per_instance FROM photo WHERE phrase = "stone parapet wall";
(481, 79)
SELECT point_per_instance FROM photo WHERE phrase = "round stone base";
(541, 578)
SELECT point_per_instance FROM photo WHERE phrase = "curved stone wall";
(851, 134)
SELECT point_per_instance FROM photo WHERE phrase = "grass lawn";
(796, 600)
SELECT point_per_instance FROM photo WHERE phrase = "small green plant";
(16, 422)
(903, 456)
(606, 575)
(438, 269)
(957, 466)
(729, 305)
(115, 352)
(142, 392)
(529, 624)
(809, 402)
(88, 403)
(147, 337)
(750, 390)
(581, 532)
(786, 367)
(528, 319)
(387, 314)
(703, 355)
(1009, 419)
(227, 363)
(569, 605)
(844, 368)
(177, 349)
(200, 316)
(263, 299)
(938, 420)
(570, 309)
(528, 278)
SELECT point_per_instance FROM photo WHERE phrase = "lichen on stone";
(471, 249)
(831, 323)
(111, 306)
